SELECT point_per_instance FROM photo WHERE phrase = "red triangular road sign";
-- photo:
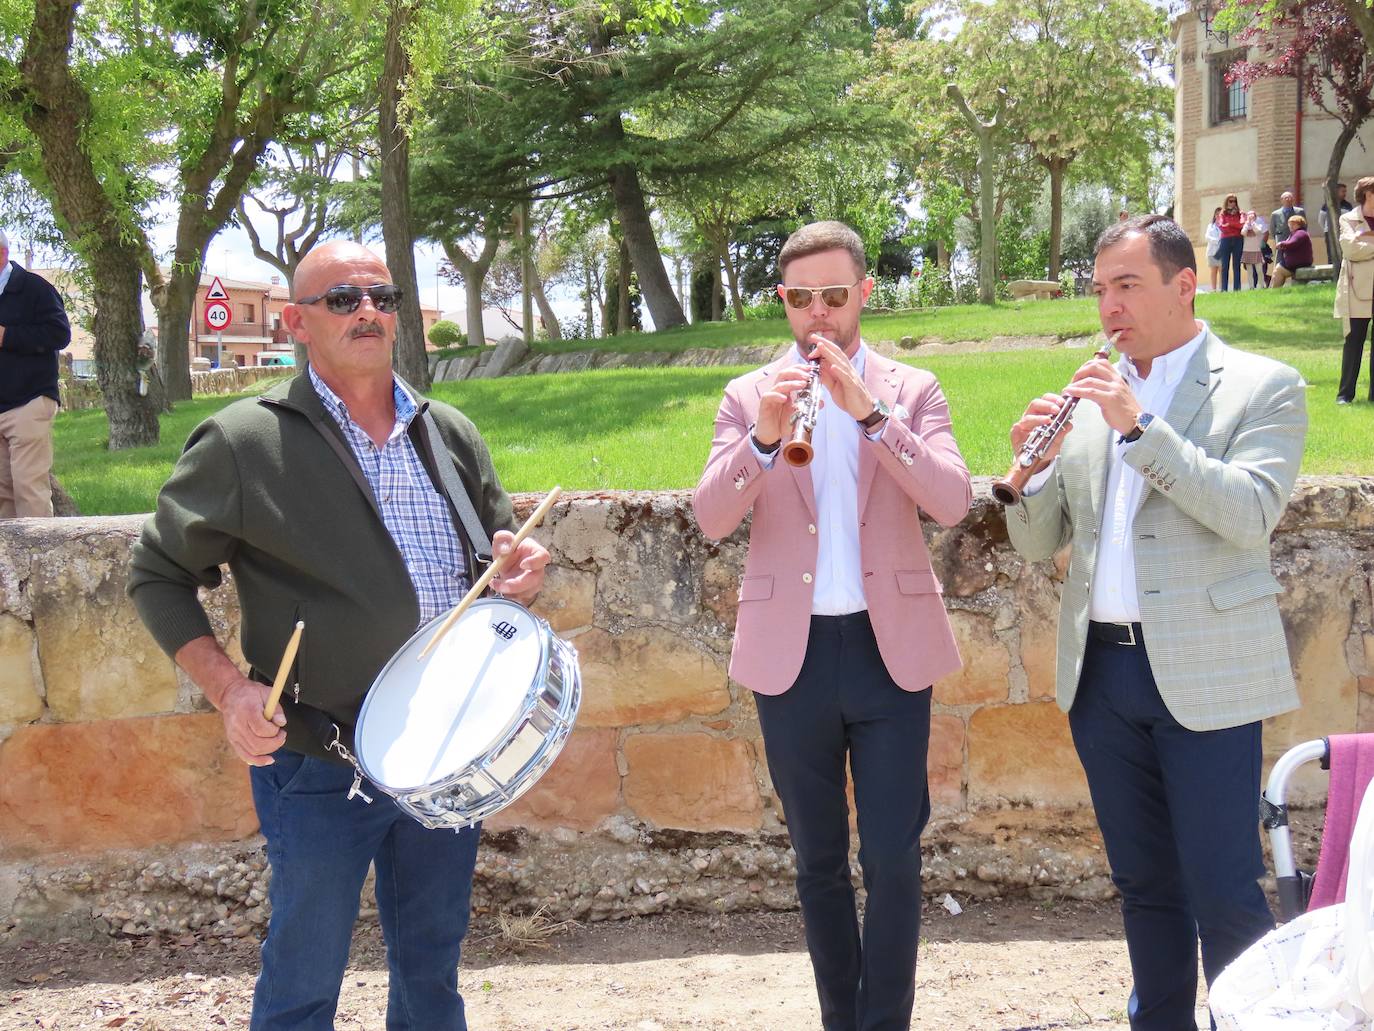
(217, 291)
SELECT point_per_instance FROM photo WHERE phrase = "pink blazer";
(915, 465)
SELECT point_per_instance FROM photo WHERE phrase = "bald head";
(333, 263)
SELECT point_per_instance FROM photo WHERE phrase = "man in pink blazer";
(841, 627)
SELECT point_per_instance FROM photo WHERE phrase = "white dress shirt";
(839, 586)
(1114, 598)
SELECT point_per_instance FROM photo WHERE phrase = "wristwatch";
(1141, 421)
(881, 411)
(766, 449)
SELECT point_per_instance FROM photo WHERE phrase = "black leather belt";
(1128, 634)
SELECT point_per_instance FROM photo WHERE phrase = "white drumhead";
(426, 720)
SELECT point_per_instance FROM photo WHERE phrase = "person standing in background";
(33, 328)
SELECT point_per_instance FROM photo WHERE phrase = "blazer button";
(806, 578)
(810, 527)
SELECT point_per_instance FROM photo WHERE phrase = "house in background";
(497, 323)
(1254, 143)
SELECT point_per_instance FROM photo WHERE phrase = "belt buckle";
(1130, 634)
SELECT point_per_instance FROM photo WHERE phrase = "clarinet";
(1008, 489)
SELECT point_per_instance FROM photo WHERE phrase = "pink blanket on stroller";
(1352, 768)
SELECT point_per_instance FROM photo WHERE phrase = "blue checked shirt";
(415, 515)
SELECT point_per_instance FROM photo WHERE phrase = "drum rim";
(520, 714)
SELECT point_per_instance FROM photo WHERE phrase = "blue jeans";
(1179, 816)
(320, 844)
(1228, 253)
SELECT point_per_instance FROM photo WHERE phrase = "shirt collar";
(5, 274)
(1169, 366)
(406, 408)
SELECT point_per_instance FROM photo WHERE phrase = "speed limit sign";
(217, 315)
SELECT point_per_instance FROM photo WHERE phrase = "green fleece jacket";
(269, 487)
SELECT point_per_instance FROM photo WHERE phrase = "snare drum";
(464, 732)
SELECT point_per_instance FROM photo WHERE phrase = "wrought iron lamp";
(1205, 12)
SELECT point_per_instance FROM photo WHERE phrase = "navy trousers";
(844, 703)
(1179, 813)
(320, 844)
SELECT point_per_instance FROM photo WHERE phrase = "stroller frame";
(1294, 885)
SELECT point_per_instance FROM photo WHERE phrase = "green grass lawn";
(651, 428)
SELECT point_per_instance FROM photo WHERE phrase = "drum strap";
(457, 493)
(325, 729)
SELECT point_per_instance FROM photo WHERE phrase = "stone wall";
(78, 394)
(122, 808)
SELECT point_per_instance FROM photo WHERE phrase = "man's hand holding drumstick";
(522, 575)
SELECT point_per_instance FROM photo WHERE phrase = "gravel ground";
(1010, 965)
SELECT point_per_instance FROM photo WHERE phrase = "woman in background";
(1230, 220)
(1294, 252)
(1213, 245)
(1355, 287)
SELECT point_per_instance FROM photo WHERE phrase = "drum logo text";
(504, 630)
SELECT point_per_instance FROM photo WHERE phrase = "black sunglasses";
(345, 300)
(831, 296)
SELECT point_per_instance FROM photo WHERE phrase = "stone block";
(945, 762)
(578, 532)
(97, 660)
(21, 700)
(692, 782)
(508, 353)
(1023, 753)
(567, 599)
(125, 783)
(986, 663)
(1317, 613)
(720, 586)
(580, 790)
(1039, 611)
(647, 675)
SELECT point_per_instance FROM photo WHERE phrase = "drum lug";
(357, 788)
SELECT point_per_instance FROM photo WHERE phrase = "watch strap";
(766, 449)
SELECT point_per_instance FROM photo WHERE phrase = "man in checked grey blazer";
(1167, 489)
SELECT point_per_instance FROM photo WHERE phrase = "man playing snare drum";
(326, 497)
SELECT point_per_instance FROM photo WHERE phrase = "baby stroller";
(1352, 769)
(1315, 971)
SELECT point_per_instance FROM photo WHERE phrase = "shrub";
(445, 333)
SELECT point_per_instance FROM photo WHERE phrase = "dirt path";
(1001, 966)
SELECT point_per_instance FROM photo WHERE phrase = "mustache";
(373, 328)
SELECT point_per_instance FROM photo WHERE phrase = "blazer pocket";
(756, 588)
(1258, 583)
(918, 581)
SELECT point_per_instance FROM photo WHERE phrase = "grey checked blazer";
(1219, 469)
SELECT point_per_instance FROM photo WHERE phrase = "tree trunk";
(1056, 167)
(1333, 208)
(622, 318)
(474, 273)
(590, 328)
(717, 290)
(987, 189)
(638, 232)
(409, 359)
(118, 324)
(942, 255)
(174, 313)
(552, 330)
(57, 110)
(731, 277)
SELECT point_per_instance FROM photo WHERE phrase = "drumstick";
(536, 517)
(287, 657)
